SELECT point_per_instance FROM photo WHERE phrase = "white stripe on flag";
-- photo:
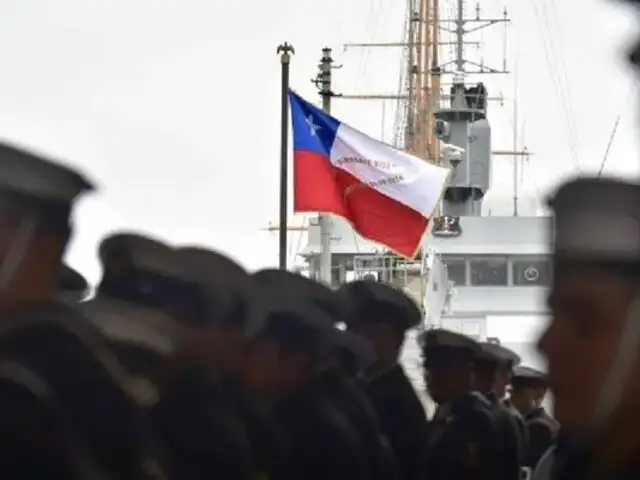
(405, 178)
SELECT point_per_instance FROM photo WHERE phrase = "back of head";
(334, 303)
(37, 195)
(146, 271)
(374, 302)
(32, 184)
(352, 352)
(228, 287)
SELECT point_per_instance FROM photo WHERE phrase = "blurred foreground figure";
(283, 367)
(338, 377)
(592, 342)
(382, 315)
(177, 328)
(492, 375)
(66, 412)
(529, 387)
(466, 440)
(234, 323)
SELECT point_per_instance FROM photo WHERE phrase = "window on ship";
(531, 271)
(489, 271)
(457, 270)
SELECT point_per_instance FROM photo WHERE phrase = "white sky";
(173, 107)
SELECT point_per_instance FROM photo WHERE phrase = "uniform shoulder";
(542, 419)
(471, 402)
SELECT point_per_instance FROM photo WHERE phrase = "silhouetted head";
(592, 341)
(37, 196)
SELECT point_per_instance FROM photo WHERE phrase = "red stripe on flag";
(319, 186)
(315, 188)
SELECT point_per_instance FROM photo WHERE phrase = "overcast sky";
(173, 107)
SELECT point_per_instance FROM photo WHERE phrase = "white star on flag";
(312, 126)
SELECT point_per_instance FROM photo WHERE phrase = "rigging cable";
(614, 130)
(564, 78)
(545, 34)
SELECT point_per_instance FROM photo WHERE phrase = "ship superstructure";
(476, 270)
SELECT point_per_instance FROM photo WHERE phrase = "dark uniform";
(401, 413)
(593, 300)
(67, 412)
(152, 290)
(542, 428)
(512, 426)
(233, 309)
(466, 439)
(338, 379)
(322, 441)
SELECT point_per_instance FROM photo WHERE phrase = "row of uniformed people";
(183, 365)
(477, 432)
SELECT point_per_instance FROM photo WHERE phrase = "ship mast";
(421, 95)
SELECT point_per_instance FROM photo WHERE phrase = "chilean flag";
(387, 195)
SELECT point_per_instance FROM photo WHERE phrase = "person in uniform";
(134, 304)
(281, 367)
(466, 440)
(236, 320)
(72, 286)
(382, 315)
(158, 311)
(489, 376)
(528, 389)
(338, 379)
(67, 411)
(595, 327)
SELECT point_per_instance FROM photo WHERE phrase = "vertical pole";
(285, 51)
(324, 220)
(516, 169)
(516, 162)
(460, 37)
(383, 123)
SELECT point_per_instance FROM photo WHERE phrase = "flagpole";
(285, 51)
(324, 81)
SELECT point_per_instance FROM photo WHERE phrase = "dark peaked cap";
(71, 280)
(528, 373)
(334, 304)
(494, 353)
(227, 286)
(33, 182)
(142, 253)
(373, 301)
(437, 340)
(295, 322)
(526, 377)
(597, 221)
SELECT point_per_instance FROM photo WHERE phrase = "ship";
(479, 273)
